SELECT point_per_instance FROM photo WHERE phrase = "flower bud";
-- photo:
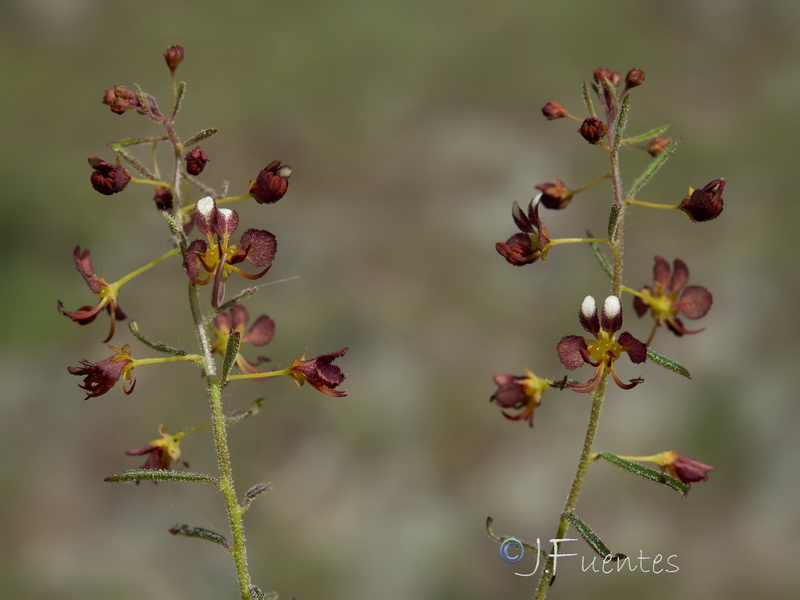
(173, 55)
(196, 161)
(705, 204)
(271, 183)
(555, 195)
(553, 110)
(107, 178)
(163, 198)
(593, 130)
(635, 77)
(601, 74)
(657, 145)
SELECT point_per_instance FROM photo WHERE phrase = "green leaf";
(645, 472)
(161, 475)
(135, 163)
(590, 536)
(231, 351)
(622, 121)
(158, 346)
(652, 169)
(201, 533)
(587, 100)
(612, 222)
(646, 137)
(199, 136)
(601, 258)
(237, 416)
(180, 92)
(139, 141)
(667, 363)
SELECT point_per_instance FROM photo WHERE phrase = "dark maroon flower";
(686, 470)
(196, 161)
(555, 195)
(603, 351)
(217, 257)
(705, 204)
(530, 245)
(106, 178)
(101, 376)
(107, 293)
(161, 452)
(271, 183)
(593, 130)
(261, 333)
(173, 55)
(163, 198)
(522, 392)
(634, 78)
(320, 373)
(553, 110)
(670, 296)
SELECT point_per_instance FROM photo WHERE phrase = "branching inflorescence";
(665, 300)
(222, 329)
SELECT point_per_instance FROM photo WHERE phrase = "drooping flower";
(555, 195)
(704, 204)
(529, 246)
(161, 451)
(520, 392)
(603, 351)
(670, 296)
(320, 373)
(682, 468)
(106, 292)
(108, 178)
(216, 257)
(101, 376)
(271, 183)
(260, 334)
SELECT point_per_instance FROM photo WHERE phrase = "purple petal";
(695, 302)
(569, 351)
(637, 351)
(260, 246)
(262, 331)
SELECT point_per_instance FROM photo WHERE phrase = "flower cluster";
(217, 256)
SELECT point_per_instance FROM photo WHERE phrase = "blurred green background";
(412, 127)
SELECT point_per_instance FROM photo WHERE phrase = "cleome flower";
(101, 376)
(603, 351)
(161, 451)
(670, 296)
(260, 334)
(704, 204)
(682, 468)
(108, 178)
(106, 292)
(530, 245)
(320, 373)
(271, 183)
(215, 257)
(523, 392)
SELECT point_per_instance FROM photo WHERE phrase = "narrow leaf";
(237, 416)
(199, 136)
(612, 222)
(181, 91)
(646, 137)
(622, 121)
(645, 472)
(161, 475)
(502, 538)
(590, 536)
(139, 141)
(237, 299)
(667, 363)
(587, 100)
(253, 492)
(158, 346)
(135, 163)
(601, 258)
(201, 533)
(232, 350)
(652, 169)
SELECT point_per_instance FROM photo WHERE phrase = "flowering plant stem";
(598, 395)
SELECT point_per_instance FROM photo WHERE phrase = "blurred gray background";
(412, 127)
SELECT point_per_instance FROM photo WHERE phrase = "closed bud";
(173, 55)
(634, 78)
(196, 161)
(163, 198)
(606, 74)
(593, 130)
(657, 145)
(271, 183)
(107, 178)
(553, 110)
